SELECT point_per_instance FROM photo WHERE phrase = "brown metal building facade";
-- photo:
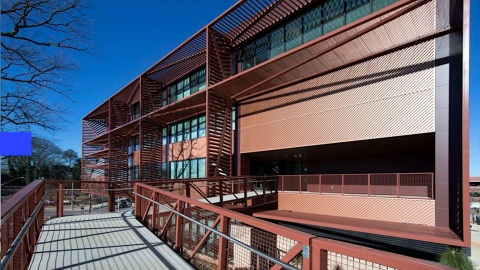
(360, 107)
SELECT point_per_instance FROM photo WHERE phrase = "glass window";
(194, 168)
(379, 4)
(173, 93)
(201, 126)
(277, 45)
(136, 172)
(179, 90)
(172, 170)
(202, 79)
(164, 98)
(201, 168)
(261, 50)
(173, 134)
(356, 9)
(186, 169)
(180, 132)
(194, 82)
(186, 87)
(333, 15)
(164, 136)
(164, 170)
(293, 34)
(136, 143)
(249, 56)
(312, 24)
(179, 169)
(194, 127)
(186, 130)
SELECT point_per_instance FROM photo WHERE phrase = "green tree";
(453, 257)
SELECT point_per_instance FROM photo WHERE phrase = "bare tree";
(38, 39)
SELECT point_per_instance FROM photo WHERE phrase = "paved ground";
(476, 245)
(102, 241)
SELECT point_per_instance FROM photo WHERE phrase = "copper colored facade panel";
(392, 95)
(402, 210)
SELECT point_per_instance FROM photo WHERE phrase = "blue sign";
(15, 143)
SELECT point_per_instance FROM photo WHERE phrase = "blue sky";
(133, 35)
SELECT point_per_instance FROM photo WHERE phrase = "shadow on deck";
(102, 241)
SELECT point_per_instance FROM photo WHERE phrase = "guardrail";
(404, 185)
(22, 220)
(232, 240)
(208, 236)
(331, 254)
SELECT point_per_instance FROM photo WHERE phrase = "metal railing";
(22, 220)
(231, 241)
(332, 254)
(401, 185)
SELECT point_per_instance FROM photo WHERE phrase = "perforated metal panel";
(388, 96)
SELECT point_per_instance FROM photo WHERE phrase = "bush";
(453, 257)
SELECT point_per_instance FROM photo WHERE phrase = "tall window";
(135, 111)
(187, 85)
(188, 129)
(185, 169)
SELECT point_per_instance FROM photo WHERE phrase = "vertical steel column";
(60, 199)
(223, 243)
(179, 226)
(111, 198)
(245, 191)
(137, 201)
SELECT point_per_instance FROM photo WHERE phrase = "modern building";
(360, 106)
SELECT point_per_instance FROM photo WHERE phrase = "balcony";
(391, 204)
(166, 230)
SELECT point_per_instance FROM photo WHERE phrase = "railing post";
(343, 176)
(111, 198)
(368, 185)
(188, 190)
(431, 195)
(220, 182)
(398, 185)
(138, 207)
(300, 184)
(223, 243)
(179, 226)
(283, 183)
(264, 190)
(276, 187)
(320, 183)
(154, 212)
(245, 191)
(60, 199)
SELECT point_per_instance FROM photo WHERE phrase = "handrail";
(8, 256)
(259, 253)
(405, 185)
(268, 226)
(11, 205)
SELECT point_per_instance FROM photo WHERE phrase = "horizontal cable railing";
(402, 185)
(209, 236)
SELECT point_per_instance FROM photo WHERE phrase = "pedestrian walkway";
(102, 241)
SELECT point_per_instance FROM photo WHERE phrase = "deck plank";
(102, 241)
